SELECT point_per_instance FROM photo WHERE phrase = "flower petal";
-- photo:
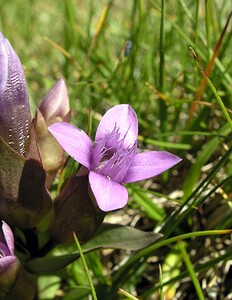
(123, 117)
(6, 262)
(74, 141)
(109, 195)
(149, 164)
(9, 238)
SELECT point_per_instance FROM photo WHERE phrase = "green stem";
(161, 47)
(196, 23)
(207, 27)
(219, 101)
(186, 236)
(162, 105)
(161, 284)
(90, 122)
(129, 296)
(85, 267)
(191, 271)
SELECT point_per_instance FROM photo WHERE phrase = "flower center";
(111, 158)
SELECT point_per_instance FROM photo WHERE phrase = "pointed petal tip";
(9, 237)
(15, 70)
(56, 102)
(149, 164)
(74, 141)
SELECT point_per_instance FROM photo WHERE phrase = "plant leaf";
(108, 236)
(120, 237)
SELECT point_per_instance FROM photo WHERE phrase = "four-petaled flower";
(113, 160)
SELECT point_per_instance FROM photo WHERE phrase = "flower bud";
(24, 200)
(55, 105)
(15, 116)
(9, 263)
(54, 108)
(75, 210)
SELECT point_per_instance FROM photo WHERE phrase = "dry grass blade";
(208, 69)
(99, 27)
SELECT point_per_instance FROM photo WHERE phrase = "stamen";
(111, 158)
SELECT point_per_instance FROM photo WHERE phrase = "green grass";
(84, 41)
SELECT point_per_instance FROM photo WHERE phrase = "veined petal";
(149, 164)
(122, 117)
(74, 141)
(109, 195)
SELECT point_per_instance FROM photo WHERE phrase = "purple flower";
(15, 116)
(9, 263)
(113, 159)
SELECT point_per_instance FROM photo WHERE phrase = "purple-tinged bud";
(56, 104)
(9, 263)
(75, 210)
(15, 116)
(54, 108)
(15, 282)
(24, 199)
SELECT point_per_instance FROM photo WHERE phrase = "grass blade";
(209, 68)
(85, 268)
(213, 89)
(127, 270)
(191, 271)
